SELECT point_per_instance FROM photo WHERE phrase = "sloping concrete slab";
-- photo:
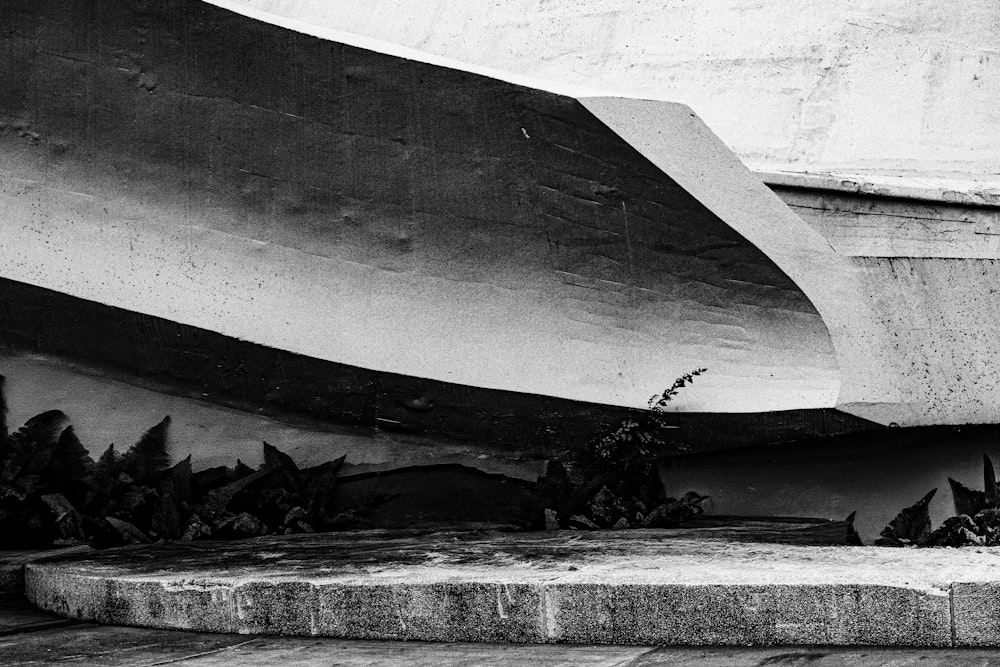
(635, 587)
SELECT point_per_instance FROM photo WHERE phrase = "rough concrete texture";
(869, 84)
(12, 564)
(639, 587)
(379, 213)
(414, 219)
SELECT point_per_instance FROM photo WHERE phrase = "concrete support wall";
(931, 273)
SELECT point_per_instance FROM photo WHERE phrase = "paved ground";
(30, 637)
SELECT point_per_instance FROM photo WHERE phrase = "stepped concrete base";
(627, 587)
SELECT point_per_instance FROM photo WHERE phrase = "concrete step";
(12, 564)
(605, 587)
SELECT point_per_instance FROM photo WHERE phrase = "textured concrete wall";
(864, 84)
(930, 273)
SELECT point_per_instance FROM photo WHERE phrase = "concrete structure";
(34, 638)
(617, 587)
(862, 88)
(352, 222)
(389, 254)
(385, 218)
(895, 98)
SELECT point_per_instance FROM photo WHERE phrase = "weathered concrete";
(378, 213)
(32, 637)
(12, 564)
(899, 84)
(636, 587)
(128, 647)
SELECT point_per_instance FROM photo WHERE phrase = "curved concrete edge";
(391, 48)
(973, 190)
(673, 138)
(565, 587)
(496, 611)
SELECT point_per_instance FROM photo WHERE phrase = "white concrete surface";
(816, 86)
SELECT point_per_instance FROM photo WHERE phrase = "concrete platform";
(12, 564)
(635, 587)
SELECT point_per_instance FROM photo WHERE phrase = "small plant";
(639, 438)
(658, 402)
(613, 480)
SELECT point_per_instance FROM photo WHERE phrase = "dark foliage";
(148, 458)
(976, 521)
(51, 491)
(69, 470)
(911, 526)
(4, 431)
(967, 501)
(613, 481)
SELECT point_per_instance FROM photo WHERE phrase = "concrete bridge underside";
(187, 163)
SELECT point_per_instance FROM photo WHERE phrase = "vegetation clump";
(613, 481)
(976, 521)
(52, 492)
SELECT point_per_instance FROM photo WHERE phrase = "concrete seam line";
(173, 661)
(951, 612)
(548, 624)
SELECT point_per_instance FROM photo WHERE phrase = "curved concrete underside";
(188, 163)
(398, 216)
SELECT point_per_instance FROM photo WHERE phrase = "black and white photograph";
(645, 333)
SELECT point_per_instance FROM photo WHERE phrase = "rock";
(135, 504)
(196, 529)
(293, 514)
(128, 532)
(956, 531)
(672, 513)
(68, 520)
(215, 502)
(580, 521)
(551, 519)
(621, 524)
(247, 525)
(240, 526)
(268, 499)
(605, 509)
(988, 518)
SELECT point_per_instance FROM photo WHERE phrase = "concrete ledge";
(634, 587)
(982, 190)
(12, 564)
